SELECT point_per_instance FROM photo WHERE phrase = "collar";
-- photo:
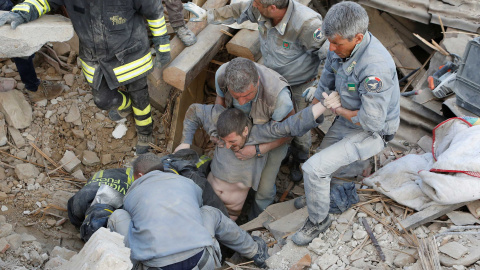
(282, 25)
(357, 52)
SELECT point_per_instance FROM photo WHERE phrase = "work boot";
(185, 35)
(296, 174)
(310, 231)
(262, 253)
(46, 90)
(143, 143)
(117, 115)
(300, 202)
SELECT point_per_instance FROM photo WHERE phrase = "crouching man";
(166, 226)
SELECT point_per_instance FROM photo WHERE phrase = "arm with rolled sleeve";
(234, 13)
(200, 115)
(373, 112)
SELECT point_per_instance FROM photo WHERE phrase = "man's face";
(246, 96)
(235, 141)
(263, 10)
(342, 46)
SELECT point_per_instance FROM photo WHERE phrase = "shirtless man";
(232, 130)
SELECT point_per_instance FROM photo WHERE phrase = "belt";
(203, 261)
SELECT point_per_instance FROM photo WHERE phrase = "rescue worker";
(114, 51)
(232, 130)
(290, 42)
(172, 230)
(361, 71)
(264, 95)
(91, 206)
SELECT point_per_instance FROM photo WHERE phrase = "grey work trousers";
(175, 12)
(221, 228)
(266, 191)
(341, 146)
(301, 145)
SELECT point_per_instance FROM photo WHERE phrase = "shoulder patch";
(373, 84)
(317, 35)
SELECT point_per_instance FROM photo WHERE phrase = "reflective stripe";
(125, 104)
(164, 48)
(100, 174)
(88, 71)
(173, 170)
(157, 27)
(133, 65)
(133, 69)
(142, 112)
(145, 122)
(130, 176)
(21, 7)
(108, 210)
(95, 175)
(42, 6)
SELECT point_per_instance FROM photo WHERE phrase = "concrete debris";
(78, 174)
(289, 223)
(89, 158)
(28, 38)
(73, 115)
(403, 260)
(104, 250)
(61, 48)
(3, 132)
(69, 161)
(454, 250)
(60, 198)
(62, 252)
(288, 256)
(426, 143)
(106, 159)
(326, 260)
(460, 218)
(17, 137)
(26, 171)
(69, 79)
(119, 131)
(17, 111)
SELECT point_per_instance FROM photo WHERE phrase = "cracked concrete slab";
(30, 37)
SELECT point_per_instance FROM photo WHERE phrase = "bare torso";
(233, 195)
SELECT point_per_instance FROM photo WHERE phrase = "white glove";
(200, 13)
(309, 93)
(182, 146)
(332, 101)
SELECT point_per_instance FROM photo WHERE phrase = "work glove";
(161, 45)
(14, 19)
(309, 93)
(200, 13)
(262, 253)
(331, 101)
(342, 197)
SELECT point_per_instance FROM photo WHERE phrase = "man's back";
(166, 218)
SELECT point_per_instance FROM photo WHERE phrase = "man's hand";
(12, 18)
(200, 13)
(182, 146)
(161, 45)
(247, 152)
(219, 142)
(332, 101)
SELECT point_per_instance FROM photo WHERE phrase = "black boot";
(296, 174)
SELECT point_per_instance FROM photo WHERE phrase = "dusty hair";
(231, 120)
(345, 19)
(240, 73)
(146, 163)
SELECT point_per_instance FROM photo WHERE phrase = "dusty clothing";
(291, 47)
(264, 104)
(175, 12)
(226, 165)
(163, 230)
(113, 37)
(367, 81)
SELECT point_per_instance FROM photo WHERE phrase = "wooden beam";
(428, 214)
(193, 94)
(158, 89)
(187, 65)
(245, 43)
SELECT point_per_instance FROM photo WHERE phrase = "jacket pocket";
(137, 46)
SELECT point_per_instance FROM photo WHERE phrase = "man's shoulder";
(376, 57)
(303, 16)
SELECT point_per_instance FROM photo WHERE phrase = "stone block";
(4, 245)
(289, 223)
(69, 161)
(403, 260)
(5, 229)
(105, 250)
(326, 260)
(26, 171)
(73, 115)
(17, 111)
(30, 37)
(15, 241)
(90, 158)
(17, 137)
(287, 257)
(461, 218)
(3, 132)
(63, 253)
(454, 250)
